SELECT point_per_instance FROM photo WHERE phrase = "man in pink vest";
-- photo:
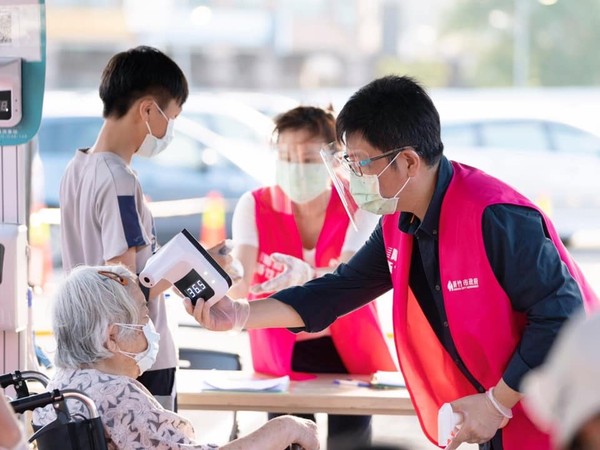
(289, 233)
(482, 283)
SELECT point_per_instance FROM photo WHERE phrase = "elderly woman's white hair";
(86, 304)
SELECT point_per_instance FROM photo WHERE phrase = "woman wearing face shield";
(105, 340)
(290, 233)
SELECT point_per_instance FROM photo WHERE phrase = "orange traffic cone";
(213, 220)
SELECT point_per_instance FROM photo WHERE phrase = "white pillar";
(13, 288)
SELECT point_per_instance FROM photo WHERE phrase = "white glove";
(227, 314)
(295, 272)
(481, 420)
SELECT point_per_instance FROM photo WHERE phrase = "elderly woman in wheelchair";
(105, 340)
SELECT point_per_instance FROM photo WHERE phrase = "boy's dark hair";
(317, 121)
(393, 112)
(137, 72)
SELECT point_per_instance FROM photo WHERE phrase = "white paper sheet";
(239, 381)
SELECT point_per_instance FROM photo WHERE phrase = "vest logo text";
(461, 285)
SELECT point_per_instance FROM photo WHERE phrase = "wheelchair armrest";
(19, 380)
(10, 379)
(21, 405)
(47, 398)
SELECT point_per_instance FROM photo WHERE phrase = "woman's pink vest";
(484, 327)
(357, 336)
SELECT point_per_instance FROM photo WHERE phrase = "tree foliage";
(562, 41)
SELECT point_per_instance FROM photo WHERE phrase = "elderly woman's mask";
(145, 359)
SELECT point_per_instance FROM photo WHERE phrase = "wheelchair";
(67, 432)
(18, 379)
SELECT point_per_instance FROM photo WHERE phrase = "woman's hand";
(295, 273)
(279, 434)
(303, 432)
(226, 314)
(221, 253)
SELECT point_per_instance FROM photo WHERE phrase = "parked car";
(554, 164)
(544, 142)
(520, 134)
(267, 103)
(229, 118)
(191, 167)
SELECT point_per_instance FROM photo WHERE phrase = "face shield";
(339, 171)
(300, 176)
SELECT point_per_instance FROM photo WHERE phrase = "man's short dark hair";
(393, 112)
(138, 72)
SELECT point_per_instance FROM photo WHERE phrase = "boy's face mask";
(152, 145)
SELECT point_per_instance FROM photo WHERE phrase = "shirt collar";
(409, 223)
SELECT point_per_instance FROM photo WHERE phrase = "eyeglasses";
(114, 276)
(355, 161)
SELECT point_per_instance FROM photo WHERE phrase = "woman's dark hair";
(319, 122)
(137, 72)
(393, 112)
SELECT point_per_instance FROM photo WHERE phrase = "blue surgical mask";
(145, 359)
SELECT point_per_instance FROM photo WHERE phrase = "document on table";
(240, 381)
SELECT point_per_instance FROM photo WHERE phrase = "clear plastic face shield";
(339, 172)
(300, 175)
(357, 184)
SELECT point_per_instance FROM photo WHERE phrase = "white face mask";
(366, 194)
(151, 145)
(301, 182)
(145, 359)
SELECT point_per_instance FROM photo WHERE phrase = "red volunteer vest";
(485, 334)
(357, 336)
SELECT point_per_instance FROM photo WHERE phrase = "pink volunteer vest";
(485, 334)
(356, 336)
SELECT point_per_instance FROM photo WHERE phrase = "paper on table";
(239, 381)
(387, 379)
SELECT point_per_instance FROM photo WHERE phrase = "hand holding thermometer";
(186, 264)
